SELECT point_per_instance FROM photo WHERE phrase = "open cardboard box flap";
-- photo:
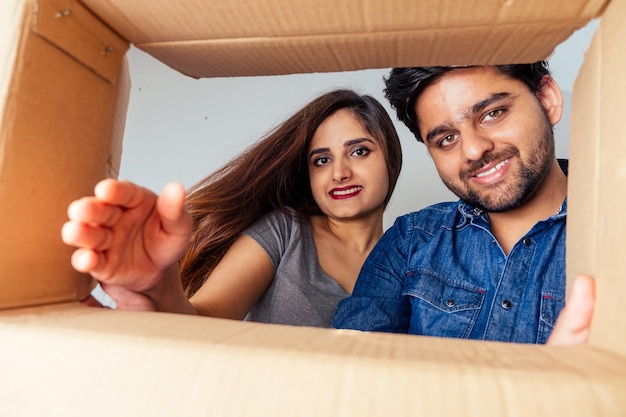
(240, 37)
(125, 363)
(63, 95)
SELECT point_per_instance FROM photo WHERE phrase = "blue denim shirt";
(440, 272)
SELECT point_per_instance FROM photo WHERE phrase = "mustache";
(487, 158)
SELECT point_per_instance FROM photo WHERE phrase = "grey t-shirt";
(301, 294)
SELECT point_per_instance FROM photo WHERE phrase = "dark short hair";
(405, 85)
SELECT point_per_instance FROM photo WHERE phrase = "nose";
(341, 170)
(475, 145)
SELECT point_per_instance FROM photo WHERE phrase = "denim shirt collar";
(471, 214)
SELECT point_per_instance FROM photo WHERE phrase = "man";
(490, 266)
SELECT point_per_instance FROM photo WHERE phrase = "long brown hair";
(272, 175)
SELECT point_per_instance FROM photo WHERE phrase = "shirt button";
(527, 241)
(450, 302)
(506, 304)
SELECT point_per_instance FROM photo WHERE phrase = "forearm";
(168, 294)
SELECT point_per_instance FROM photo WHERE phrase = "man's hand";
(574, 323)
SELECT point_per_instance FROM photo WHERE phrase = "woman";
(277, 235)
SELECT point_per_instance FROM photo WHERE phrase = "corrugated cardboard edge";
(199, 20)
(355, 51)
(595, 234)
(164, 364)
(114, 159)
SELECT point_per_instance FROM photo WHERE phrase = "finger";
(581, 302)
(574, 323)
(171, 207)
(87, 260)
(122, 193)
(82, 235)
(92, 210)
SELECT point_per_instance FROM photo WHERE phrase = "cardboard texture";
(598, 176)
(56, 135)
(100, 362)
(63, 94)
(240, 37)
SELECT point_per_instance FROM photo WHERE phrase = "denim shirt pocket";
(441, 306)
(551, 305)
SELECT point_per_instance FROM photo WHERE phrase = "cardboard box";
(63, 93)
(63, 105)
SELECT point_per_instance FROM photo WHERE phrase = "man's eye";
(494, 114)
(447, 141)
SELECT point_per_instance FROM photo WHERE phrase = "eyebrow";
(475, 108)
(346, 144)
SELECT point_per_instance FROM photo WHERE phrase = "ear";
(550, 97)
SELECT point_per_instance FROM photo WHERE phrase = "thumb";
(175, 219)
(574, 323)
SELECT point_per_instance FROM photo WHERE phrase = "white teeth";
(348, 191)
(492, 170)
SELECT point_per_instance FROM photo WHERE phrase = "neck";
(360, 234)
(510, 226)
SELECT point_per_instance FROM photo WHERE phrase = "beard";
(516, 191)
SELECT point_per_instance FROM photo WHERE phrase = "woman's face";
(347, 168)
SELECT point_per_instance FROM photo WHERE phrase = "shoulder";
(279, 233)
(278, 228)
(278, 220)
(420, 226)
(430, 217)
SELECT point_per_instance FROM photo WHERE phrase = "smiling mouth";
(345, 192)
(494, 169)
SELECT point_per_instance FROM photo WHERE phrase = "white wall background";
(180, 129)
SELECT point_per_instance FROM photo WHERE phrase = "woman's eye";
(321, 161)
(360, 151)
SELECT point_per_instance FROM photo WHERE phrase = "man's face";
(489, 136)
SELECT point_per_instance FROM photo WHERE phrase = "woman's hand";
(126, 236)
